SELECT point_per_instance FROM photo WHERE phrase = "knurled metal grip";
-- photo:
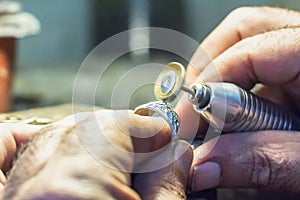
(232, 109)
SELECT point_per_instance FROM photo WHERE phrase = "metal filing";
(228, 107)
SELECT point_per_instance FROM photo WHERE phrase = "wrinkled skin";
(56, 165)
(253, 45)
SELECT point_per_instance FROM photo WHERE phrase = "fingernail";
(183, 156)
(205, 176)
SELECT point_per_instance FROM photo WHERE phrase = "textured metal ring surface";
(164, 111)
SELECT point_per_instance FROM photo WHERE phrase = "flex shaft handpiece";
(226, 106)
(231, 109)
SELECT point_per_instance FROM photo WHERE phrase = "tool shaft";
(188, 90)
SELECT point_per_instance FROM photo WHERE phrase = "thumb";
(265, 159)
(169, 182)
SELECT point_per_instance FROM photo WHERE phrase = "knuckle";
(248, 19)
(273, 170)
(242, 10)
(243, 13)
(169, 189)
(261, 171)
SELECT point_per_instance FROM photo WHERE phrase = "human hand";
(90, 156)
(12, 137)
(252, 45)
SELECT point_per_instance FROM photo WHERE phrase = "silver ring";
(164, 111)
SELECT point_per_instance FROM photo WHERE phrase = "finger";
(2, 183)
(191, 122)
(125, 136)
(169, 182)
(23, 132)
(252, 60)
(270, 58)
(124, 129)
(266, 159)
(2, 180)
(11, 137)
(276, 94)
(238, 25)
(151, 133)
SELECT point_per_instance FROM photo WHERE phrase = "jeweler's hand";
(222, 49)
(12, 137)
(91, 156)
(252, 45)
(169, 182)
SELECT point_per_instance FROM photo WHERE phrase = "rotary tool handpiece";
(232, 109)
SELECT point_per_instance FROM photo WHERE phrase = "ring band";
(164, 111)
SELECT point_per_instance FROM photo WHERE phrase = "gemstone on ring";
(163, 110)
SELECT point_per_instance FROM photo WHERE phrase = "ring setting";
(163, 110)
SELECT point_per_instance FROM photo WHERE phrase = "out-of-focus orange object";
(7, 66)
(14, 24)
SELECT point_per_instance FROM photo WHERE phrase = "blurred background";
(48, 62)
